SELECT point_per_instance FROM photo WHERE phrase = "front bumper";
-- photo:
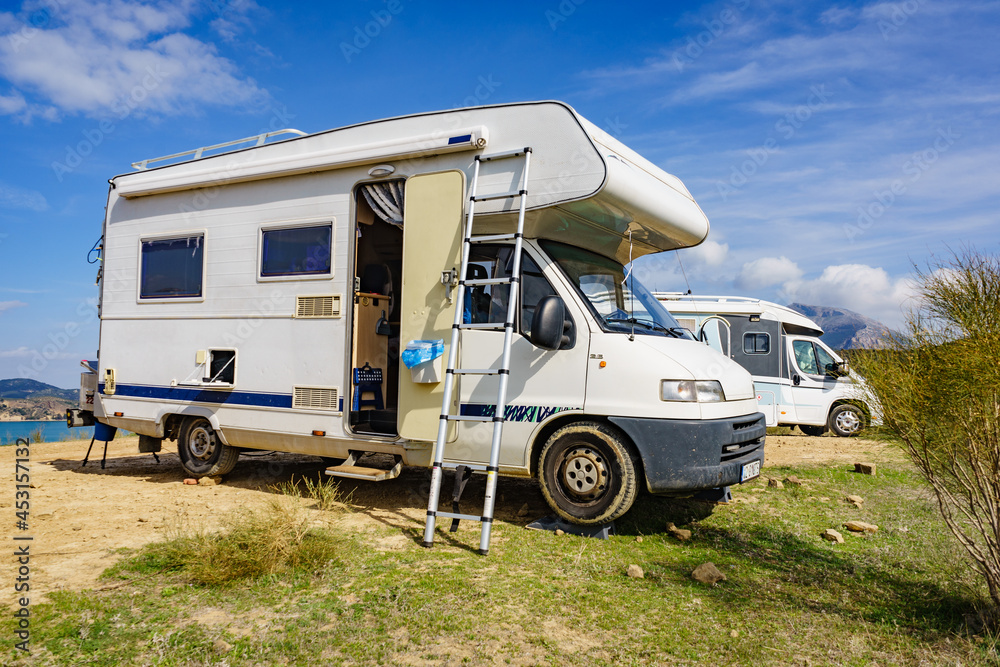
(680, 455)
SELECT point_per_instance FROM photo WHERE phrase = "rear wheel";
(588, 474)
(847, 420)
(812, 430)
(202, 453)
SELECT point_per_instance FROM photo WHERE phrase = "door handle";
(795, 380)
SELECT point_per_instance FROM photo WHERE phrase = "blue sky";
(832, 146)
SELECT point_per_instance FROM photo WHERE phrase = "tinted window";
(296, 252)
(171, 268)
(756, 343)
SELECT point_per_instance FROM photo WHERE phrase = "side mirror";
(550, 326)
(843, 370)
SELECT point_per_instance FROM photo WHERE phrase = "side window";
(298, 251)
(171, 268)
(805, 356)
(488, 303)
(756, 343)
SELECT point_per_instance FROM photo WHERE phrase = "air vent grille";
(322, 305)
(316, 398)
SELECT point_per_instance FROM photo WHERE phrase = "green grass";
(899, 596)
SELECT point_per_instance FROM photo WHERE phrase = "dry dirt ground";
(80, 517)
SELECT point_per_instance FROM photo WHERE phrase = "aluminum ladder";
(503, 371)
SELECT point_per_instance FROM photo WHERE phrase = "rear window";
(172, 268)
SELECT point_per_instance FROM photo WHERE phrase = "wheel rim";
(584, 474)
(848, 421)
(201, 443)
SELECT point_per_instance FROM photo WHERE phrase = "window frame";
(299, 224)
(756, 333)
(203, 233)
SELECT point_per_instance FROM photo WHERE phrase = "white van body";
(799, 380)
(241, 291)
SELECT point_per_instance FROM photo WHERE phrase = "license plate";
(750, 470)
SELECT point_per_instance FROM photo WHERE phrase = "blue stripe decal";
(198, 395)
(512, 413)
(465, 138)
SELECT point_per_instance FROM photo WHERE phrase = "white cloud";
(859, 287)
(710, 254)
(766, 272)
(16, 353)
(116, 57)
(7, 305)
(20, 198)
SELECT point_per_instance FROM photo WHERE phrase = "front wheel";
(588, 474)
(202, 453)
(814, 431)
(847, 420)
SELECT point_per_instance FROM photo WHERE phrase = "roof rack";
(199, 152)
(682, 296)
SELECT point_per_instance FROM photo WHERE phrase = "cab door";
(432, 223)
(812, 380)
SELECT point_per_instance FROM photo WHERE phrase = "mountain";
(27, 388)
(844, 329)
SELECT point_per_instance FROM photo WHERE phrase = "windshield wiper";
(649, 324)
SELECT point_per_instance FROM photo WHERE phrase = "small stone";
(638, 538)
(191, 481)
(635, 572)
(707, 573)
(831, 535)
(861, 527)
(209, 481)
(560, 532)
(524, 510)
(857, 501)
(865, 468)
(77, 527)
(734, 633)
(680, 533)
(221, 646)
(794, 481)
(775, 483)
(142, 519)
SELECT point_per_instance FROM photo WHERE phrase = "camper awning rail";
(196, 153)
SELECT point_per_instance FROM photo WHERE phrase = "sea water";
(51, 431)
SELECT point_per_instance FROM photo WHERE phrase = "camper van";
(799, 380)
(267, 296)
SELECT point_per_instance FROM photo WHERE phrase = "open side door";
(432, 243)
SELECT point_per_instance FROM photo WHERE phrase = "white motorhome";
(259, 299)
(799, 380)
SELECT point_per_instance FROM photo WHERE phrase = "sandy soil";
(80, 516)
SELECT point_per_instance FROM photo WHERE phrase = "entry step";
(351, 471)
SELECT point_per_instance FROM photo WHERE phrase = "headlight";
(703, 391)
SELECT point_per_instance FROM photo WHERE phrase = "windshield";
(619, 305)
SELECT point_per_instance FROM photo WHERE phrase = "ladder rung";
(476, 371)
(468, 418)
(502, 195)
(503, 156)
(474, 282)
(464, 517)
(451, 465)
(492, 237)
(494, 326)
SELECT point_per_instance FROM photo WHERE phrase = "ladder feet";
(484, 552)
(426, 545)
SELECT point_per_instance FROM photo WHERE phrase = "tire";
(201, 452)
(588, 474)
(814, 431)
(847, 420)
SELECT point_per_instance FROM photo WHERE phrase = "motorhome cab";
(261, 299)
(799, 380)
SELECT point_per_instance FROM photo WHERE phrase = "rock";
(680, 533)
(832, 535)
(707, 573)
(638, 538)
(635, 572)
(792, 480)
(734, 633)
(524, 510)
(857, 501)
(775, 483)
(861, 527)
(221, 646)
(142, 519)
(865, 468)
(209, 481)
(560, 532)
(190, 481)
